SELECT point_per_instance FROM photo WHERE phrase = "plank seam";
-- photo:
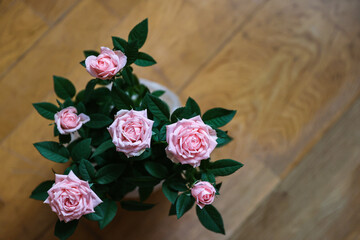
(221, 46)
(56, 22)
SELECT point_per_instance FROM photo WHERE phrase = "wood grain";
(58, 54)
(20, 28)
(184, 34)
(291, 83)
(320, 199)
(290, 69)
(51, 10)
(4, 4)
(17, 182)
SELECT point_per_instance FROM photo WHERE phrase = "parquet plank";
(320, 198)
(343, 14)
(185, 34)
(34, 129)
(51, 10)
(290, 69)
(59, 53)
(4, 4)
(19, 215)
(20, 28)
(290, 73)
(156, 224)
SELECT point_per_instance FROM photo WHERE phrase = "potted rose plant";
(117, 136)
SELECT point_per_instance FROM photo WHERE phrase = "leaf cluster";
(111, 175)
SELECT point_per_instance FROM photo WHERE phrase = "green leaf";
(183, 204)
(190, 110)
(121, 99)
(172, 210)
(81, 150)
(146, 154)
(82, 63)
(181, 113)
(224, 167)
(155, 134)
(193, 106)
(169, 193)
(128, 76)
(156, 169)
(73, 168)
(88, 53)
(40, 192)
(131, 205)
(103, 148)
(109, 209)
(177, 185)
(162, 133)
(222, 138)
(53, 151)
(209, 177)
(144, 60)
(177, 114)
(218, 117)
(64, 138)
(56, 131)
(64, 230)
(139, 33)
(68, 102)
(131, 52)
(63, 88)
(119, 43)
(101, 95)
(97, 215)
(109, 173)
(217, 188)
(80, 108)
(157, 107)
(210, 218)
(158, 93)
(89, 89)
(80, 96)
(145, 192)
(87, 170)
(143, 181)
(47, 110)
(98, 120)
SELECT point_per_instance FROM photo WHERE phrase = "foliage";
(93, 156)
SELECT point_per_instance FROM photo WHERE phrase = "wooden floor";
(290, 68)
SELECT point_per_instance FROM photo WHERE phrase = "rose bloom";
(70, 197)
(131, 132)
(190, 141)
(68, 121)
(106, 65)
(204, 193)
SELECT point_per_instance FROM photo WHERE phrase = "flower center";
(70, 120)
(132, 131)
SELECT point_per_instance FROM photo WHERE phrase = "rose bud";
(68, 121)
(106, 65)
(131, 132)
(70, 197)
(190, 141)
(204, 193)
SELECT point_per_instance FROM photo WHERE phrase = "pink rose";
(70, 197)
(204, 193)
(190, 141)
(106, 65)
(131, 132)
(68, 121)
